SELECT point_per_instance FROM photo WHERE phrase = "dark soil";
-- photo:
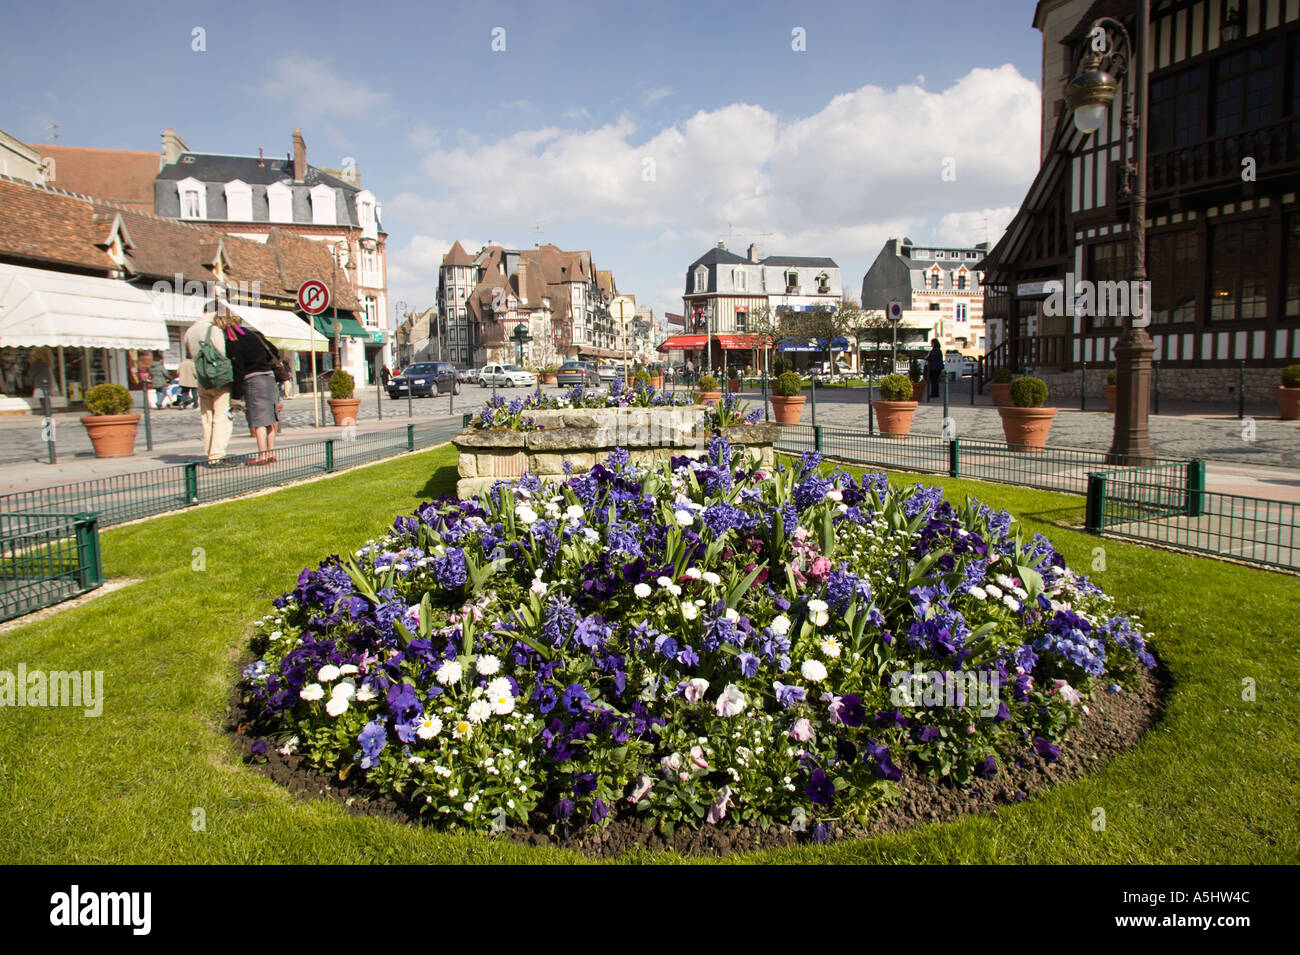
(1115, 724)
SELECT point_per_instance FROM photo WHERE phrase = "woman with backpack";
(206, 368)
(254, 361)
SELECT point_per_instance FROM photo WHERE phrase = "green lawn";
(1216, 781)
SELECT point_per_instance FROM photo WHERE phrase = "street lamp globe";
(1089, 96)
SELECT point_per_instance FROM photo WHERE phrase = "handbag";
(279, 367)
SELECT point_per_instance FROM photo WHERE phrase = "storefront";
(69, 333)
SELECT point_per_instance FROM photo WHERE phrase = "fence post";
(1195, 502)
(1241, 391)
(1083, 386)
(90, 571)
(817, 437)
(954, 458)
(466, 418)
(329, 455)
(945, 396)
(410, 437)
(1095, 517)
(191, 482)
(1155, 387)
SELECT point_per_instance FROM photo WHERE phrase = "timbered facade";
(1223, 220)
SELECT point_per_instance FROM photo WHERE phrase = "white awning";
(179, 309)
(282, 328)
(43, 308)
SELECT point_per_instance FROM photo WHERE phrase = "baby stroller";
(171, 396)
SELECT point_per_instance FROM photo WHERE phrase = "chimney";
(753, 252)
(720, 245)
(172, 147)
(299, 157)
(523, 280)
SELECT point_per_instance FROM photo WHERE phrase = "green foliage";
(341, 384)
(1112, 376)
(1028, 392)
(1291, 376)
(895, 388)
(641, 378)
(108, 399)
(780, 366)
(1002, 376)
(913, 370)
(707, 383)
(787, 385)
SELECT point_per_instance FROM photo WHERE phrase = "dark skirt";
(260, 398)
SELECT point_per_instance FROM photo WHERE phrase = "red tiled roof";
(123, 176)
(45, 225)
(457, 255)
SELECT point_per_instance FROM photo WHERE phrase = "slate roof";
(798, 261)
(214, 171)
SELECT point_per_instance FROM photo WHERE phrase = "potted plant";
(1000, 387)
(1110, 388)
(917, 378)
(709, 390)
(110, 423)
(788, 398)
(1025, 422)
(1288, 396)
(896, 406)
(342, 405)
(549, 376)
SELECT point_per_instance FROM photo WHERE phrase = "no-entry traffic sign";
(313, 297)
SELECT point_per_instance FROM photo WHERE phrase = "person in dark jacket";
(934, 367)
(250, 355)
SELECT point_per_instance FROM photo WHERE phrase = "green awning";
(349, 327)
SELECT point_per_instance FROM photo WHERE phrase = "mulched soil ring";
(1116, 723)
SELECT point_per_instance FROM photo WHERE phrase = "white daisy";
(429, 727)
(312, 692)
(366, 693)
(817, 613)
(830, 647)
(690, 611)
(337, 705)
(345, 690)
(479, 711)
(694, 573)
(684, 518)
(328, 673)
(574, 513)
(487, 664)
(449, 673)
(710, 578)
(780, 625)
(642, 591)
(348, 669)
(813, 671)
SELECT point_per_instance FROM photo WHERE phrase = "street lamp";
(1090, 96)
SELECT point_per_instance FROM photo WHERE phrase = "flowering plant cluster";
(696, 642)
(498, 415)
(729, 412)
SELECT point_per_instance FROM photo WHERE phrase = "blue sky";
(643, 132)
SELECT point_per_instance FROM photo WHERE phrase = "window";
(1172, 267)
(323, 206)
(367, 214)
(961, 312)
(742, 319)
(1238, 270)
(239, 201)
(791, 280)
(738, 280)
(701, 279)
(934, 306)
(1175, 110)
(961, 281)
(1243, 84)
(823, 283)
(1106, 263)
(934, 279)
(279, 198)
(193, 198)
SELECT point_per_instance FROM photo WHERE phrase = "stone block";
(467, 464)
(546, 464)
(489, 439)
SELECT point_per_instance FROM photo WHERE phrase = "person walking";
(158, 379)
(934, 367)
(214, 403)
(384, 375)
(251, 355)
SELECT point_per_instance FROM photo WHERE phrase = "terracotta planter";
(344, 410)
(1002, 394)
(733, 385)
(656, 381)
(1288, 403)
(788, 410)
(894, 418)
(1026, 429)
(1110, 391)
(710, 397)
(113, 435)
(918, 391)
(550, 379)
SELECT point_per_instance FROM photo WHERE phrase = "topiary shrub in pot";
(1110, 388)
(110, 423)
(1025, 422)
(916, 375)
(788, 398)
(1000, 387)
(1288, 396)
(342, 405)
(709, 390)
(896, 406)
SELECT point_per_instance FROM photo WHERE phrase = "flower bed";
(697, 645)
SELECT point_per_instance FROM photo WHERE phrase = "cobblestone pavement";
(1180, 431)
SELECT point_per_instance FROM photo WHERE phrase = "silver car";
(506, 376)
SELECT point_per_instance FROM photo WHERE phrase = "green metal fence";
(46, 558)
(129, 497)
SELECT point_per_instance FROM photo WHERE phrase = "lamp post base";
(1131, 443)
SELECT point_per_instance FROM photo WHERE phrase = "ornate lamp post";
(1110, 56)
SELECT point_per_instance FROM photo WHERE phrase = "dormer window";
(791, 280)
(934, 279)
(823, 283)
(322, 205)
(279, 198)
(701, 279)
(239, 201)
(367, 216)
(961, 280)
(194, 201)
(738, 280)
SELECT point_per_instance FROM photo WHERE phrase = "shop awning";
(43, 308)
(178, 309)
(683, 342)
(282, 328)
(349, 327)
(738, 342)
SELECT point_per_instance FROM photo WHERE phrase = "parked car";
(956, 365)
(467, 375)
(506, 376)
(607, 373)
(578, 373)
(424, 379)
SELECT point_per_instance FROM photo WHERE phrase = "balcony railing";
(1219, 160)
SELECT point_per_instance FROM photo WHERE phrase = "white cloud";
(650, 97)
(312, 88)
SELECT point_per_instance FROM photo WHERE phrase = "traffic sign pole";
(313, 298)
